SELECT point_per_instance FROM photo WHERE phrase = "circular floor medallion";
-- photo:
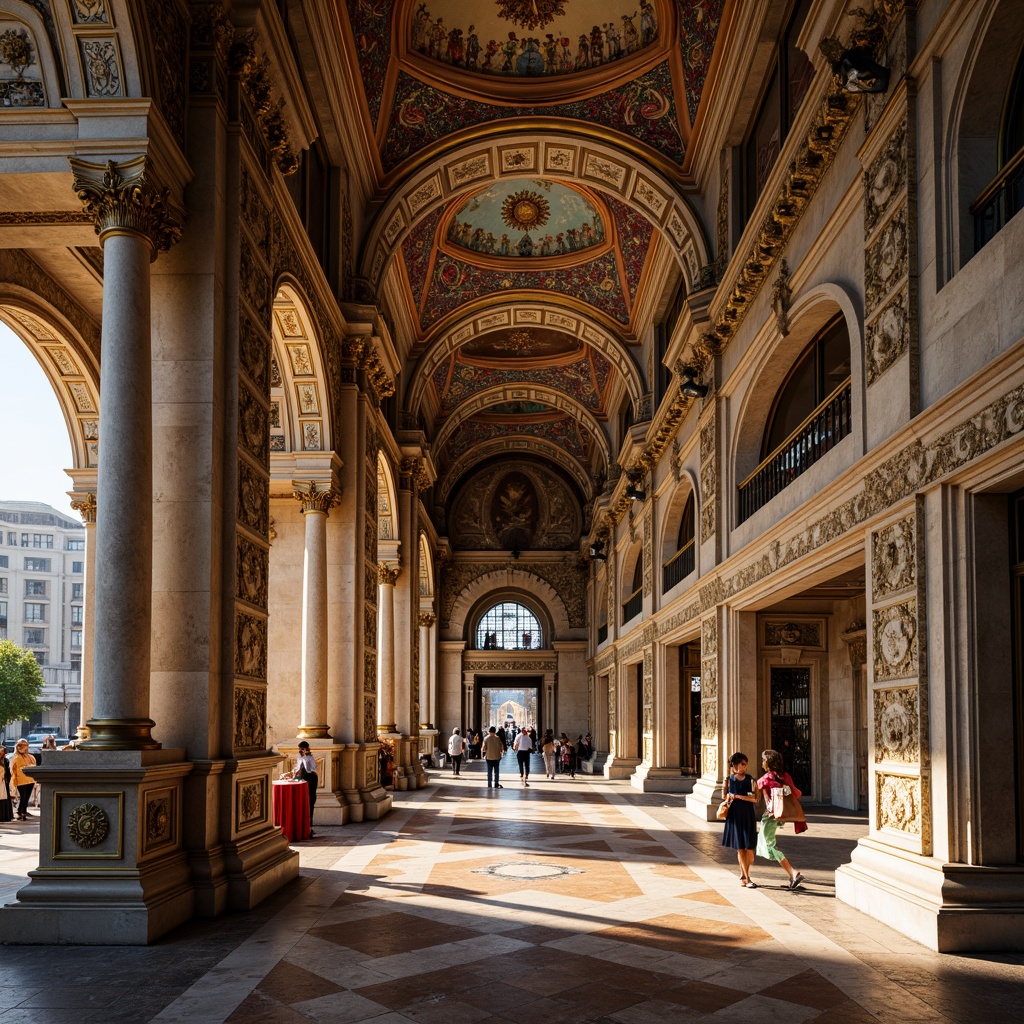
(527, 870)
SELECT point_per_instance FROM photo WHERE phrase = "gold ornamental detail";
(119, 197)
(387, 575)
(88, 826)
(427, 619)
(313, 500)
(86, 507)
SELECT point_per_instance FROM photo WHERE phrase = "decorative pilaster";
(316, 505)
(706, 790)
(133, 224)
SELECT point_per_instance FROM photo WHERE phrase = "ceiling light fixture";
(860, 72)
(634, 493)
(597, 551)
(688, 383)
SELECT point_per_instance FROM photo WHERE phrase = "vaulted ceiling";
(532, 159)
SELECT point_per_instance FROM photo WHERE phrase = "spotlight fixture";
(860, 72)
(634, 493)
(688, 383)
(597, 551)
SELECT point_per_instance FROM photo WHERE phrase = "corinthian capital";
(86, 507)
(313, 500)
(427, 619)
(120, 198)
(387, 574)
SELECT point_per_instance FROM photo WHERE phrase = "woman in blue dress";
(741, 824)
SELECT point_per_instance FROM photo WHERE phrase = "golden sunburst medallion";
(525, 211)
(530, 14)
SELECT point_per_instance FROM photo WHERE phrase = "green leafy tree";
(21, 683)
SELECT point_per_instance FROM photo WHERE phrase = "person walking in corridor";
(456, 748)
(523, 746)
(493, 749)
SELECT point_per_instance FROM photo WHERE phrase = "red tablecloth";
(291, 809)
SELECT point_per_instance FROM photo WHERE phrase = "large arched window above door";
(810, 415)
(509, 626)
(681, 563)
(633, 604)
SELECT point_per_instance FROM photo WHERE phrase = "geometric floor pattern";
(566, 902)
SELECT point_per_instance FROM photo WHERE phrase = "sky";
(34, 445)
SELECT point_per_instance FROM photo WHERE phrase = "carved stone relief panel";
(897, 733)
(161, 819)
(709, 636)
(794, 634)
(250, 733)
(894, 634)
(648, 549)
(709, 720)
(899, 804)
(709, 678)
(369, 720)
(250, 802)
(253, 424)
(893, 558)
(886, 261)
(885, 180)
(250, 645)
(254, 353)
(888, 334)
(252, 572)
(710, 759)
(253, 498)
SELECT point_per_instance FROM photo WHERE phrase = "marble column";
(426, 622)
(86, 507)
(132, 225)
(313, 715)
(387, 575)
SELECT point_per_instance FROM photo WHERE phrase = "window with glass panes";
(509, 626)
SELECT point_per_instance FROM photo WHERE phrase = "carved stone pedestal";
(113, 869)
(661, 780)
(947, 907)
(366, 798)
(331, 806)
(703, 801)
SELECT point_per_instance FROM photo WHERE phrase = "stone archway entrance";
(503, 700)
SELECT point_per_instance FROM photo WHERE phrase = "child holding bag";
(776, 777)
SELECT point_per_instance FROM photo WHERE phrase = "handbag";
(723, 810)
(783, 806)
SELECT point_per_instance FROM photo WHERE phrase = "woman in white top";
(305, 771)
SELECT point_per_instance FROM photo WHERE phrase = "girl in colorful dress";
(775, 775)
(741, 823)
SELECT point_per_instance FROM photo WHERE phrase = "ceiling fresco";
(586, 380)
(558, 428)
(527, 38)
(523, 343)
(526, 217)
(443, 280)
(523, 43)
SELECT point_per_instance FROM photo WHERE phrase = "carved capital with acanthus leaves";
(388, 574)
(427, 619)
(86, 507)
(313, 500)
(121, 199)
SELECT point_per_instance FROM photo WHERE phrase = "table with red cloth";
(291, 809)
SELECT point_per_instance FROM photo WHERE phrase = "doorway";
(791, 721)
(505, 702)
(689, 708)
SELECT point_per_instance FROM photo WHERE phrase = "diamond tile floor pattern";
(572, 901)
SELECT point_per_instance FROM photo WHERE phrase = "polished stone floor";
(565, 902)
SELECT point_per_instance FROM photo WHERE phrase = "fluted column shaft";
(386, 648)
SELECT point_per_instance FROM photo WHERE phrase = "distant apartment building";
(42, 581)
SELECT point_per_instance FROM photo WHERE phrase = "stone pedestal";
(946, 907)
(362, 791)
(113, 869)
(704, 798)
(661, 780)
(331, 806)
(620, 767)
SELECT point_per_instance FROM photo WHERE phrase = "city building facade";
(665, 373)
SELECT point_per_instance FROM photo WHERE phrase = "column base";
(113, 869)
(366, 798)
(620, 767)
(661, 780)
(120, 734)
(949, 908)
(704, 799)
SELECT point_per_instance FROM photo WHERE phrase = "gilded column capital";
(86, 507)
(120, 199)
(313, 500)
(427, 619)
(388, 574)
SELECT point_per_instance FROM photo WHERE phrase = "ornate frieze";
(252, 572)
(893, 558)
(120, 197)
(793, 634)
(509, 665)
(897, 735)
(894, 631)
(250, 731)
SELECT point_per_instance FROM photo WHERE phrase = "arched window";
(809, 417)
(509, 626)
(1004, 195)
(632, 605)
(681, 564)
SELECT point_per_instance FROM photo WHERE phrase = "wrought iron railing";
(816, 436)
(633, 606)
(678, 567)
(999, 202)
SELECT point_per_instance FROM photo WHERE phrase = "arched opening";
(810, 414)
(680, 558)
(633, 604)
(508, 625)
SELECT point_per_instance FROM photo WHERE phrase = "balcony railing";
(816, 436)
(678, 567)
(633, 606)
(999, 202)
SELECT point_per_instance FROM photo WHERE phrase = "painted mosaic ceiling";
(432, 68)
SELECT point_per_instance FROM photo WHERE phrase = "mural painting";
(528, 38)
(527, 217)
(563, 431)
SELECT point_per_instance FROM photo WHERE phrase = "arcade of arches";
(425, 362)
